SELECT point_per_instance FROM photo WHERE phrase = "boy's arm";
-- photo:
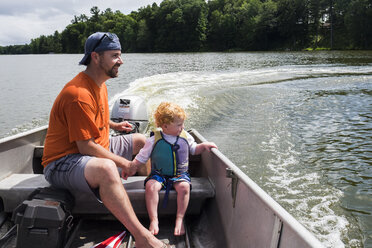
(204, 146)
(141, 162)
(134, 164)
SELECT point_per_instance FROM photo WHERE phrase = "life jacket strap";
(168, 187)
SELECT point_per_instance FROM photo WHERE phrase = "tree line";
(219, 25)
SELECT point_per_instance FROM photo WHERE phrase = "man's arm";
(89, 147)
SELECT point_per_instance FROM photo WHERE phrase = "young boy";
(169, 152)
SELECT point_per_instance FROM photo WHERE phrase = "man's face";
(110, 61)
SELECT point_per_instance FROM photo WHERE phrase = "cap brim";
(84, 60)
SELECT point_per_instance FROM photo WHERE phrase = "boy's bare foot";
(179, 228)
(154, 227)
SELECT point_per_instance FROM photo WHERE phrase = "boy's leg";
(152, 199)
(183, 196)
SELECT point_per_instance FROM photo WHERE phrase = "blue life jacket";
(170, 159)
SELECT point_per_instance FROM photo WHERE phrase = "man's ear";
(94, 57)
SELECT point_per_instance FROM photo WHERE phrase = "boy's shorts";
(68, 171)
(164, 180)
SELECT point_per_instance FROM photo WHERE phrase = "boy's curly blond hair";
(167, 112)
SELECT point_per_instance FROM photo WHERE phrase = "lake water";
(298, 123)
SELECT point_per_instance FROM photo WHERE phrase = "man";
(78, 153)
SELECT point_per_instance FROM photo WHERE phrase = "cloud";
(19, 30)
(21, 7)
(23, 20)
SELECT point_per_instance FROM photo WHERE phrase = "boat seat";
(17, 187)
(36, 160)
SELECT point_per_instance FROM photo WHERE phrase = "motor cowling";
(132, 109)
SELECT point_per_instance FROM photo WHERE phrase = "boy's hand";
(209, 145)
(204, 146)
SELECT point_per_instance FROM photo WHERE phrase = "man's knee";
(109, 169)
(138, 142)
(103, 169)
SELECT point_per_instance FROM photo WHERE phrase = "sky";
(23, 20)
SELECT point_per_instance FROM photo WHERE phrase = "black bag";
(44, 220)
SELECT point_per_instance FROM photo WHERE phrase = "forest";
(219, 25)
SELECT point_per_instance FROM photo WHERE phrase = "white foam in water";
(178, 85)
(293, 189)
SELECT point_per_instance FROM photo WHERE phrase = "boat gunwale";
(22, 134)
(274, 206)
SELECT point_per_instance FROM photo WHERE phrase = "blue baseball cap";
(99, 42)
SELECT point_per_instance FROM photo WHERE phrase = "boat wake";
(259, 110)
(301, 191)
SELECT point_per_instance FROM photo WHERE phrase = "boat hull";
(238, 213)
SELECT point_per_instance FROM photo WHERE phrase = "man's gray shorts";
(68, 171)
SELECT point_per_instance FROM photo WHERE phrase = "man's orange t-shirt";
(80, 112)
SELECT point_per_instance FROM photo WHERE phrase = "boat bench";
(17, 187)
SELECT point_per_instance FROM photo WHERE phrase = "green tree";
(247, 14)
(126, 28)
(358, 19)
(292, 24)
(316, 12)
(143, 41)
(56, 42)
(94, 23)
(73, 38)
(266, 29)
(169, 26)
(218, 25)
(195, 24)
(146, 29)
(181, 25)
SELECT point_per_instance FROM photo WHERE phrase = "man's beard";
(111, 72)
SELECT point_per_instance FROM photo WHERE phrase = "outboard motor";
(132, 109)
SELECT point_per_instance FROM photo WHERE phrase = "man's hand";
(121, 126)
(129, 170)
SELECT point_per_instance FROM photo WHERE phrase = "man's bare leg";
(183, 196)
(152, 199)
(103, 173)
(138, 141)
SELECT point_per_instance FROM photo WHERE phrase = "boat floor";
(88, 232)
(91, 232)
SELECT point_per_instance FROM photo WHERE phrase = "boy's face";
(175, 128)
